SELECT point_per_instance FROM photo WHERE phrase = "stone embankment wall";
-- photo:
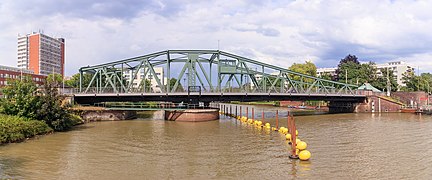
(89, 115)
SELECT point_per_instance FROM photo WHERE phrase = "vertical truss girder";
(249, 75)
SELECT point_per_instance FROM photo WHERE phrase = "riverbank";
(17, 129)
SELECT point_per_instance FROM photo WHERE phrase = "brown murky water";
(359, 146)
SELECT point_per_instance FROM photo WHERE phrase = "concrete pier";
(192, 115)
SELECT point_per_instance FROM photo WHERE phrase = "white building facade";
(398, 68)
(140, 77)
(323, 71)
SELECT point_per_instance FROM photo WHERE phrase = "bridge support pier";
(342, 107)
(192, 115)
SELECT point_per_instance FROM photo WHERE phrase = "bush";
(75, 119)
(24, 99)
(15, 129)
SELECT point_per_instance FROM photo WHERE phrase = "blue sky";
(277, 32)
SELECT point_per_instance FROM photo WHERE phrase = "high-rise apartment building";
(41, 53)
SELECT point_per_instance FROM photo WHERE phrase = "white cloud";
(276, 32)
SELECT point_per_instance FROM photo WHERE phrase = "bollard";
(253, 114)
(226, 112)
(277, 119)
(236, 111)
(241, 113)
(288, 123)
(294, 137)
(247, 112)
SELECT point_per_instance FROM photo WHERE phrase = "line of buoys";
(300, 145)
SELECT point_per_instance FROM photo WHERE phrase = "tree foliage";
(55, 79)
(75, 80)
(172, 82)
(23, 98)
(307, 68)
(14, 128)
(387, 76)
(349, 70)
(417, 83)
(20, 98)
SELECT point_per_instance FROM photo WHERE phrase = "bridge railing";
(207, 89)
(153, 106)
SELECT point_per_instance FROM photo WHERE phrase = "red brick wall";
(377, 104)
(5, 75)
(291, 103)
(419, 98)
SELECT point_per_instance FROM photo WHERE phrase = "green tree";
(352, 72)
(75, 80)
(327, 76)
(426, 82)
(172, 82)
(20, 98)
(411, 81)
(307, 68)
(348, 69)
(56, 79)
(381, 81)
(51, 109)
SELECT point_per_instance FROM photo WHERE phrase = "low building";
(322, 71)
(149, 76)
(7, 73)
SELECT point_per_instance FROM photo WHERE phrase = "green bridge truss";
(209, 71)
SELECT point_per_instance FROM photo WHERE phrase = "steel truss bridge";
(208, 75)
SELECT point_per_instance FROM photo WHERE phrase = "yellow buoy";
(259, 123)
(273, 129)
(297, 140)
(285, 131)
(301, 145)
(288, 137)
(304, 155)
(296, 133)
(267, 124)
(297, 151)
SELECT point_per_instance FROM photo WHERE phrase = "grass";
(17, 129)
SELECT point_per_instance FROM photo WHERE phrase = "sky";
(279, 32)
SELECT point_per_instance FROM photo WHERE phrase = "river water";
(359, 146)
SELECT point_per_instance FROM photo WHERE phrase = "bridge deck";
(211, 97)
